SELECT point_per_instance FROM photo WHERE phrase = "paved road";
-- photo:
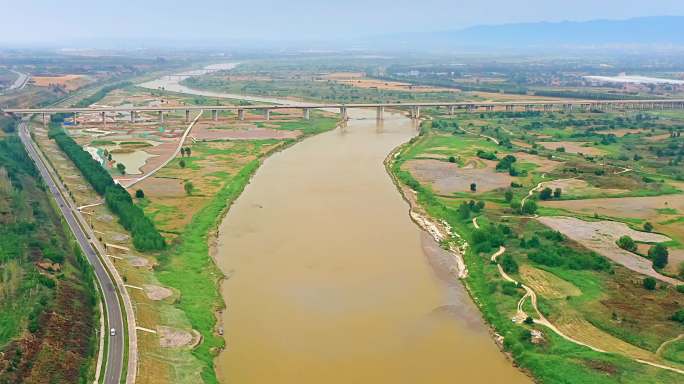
(115, 352)
(21, 80)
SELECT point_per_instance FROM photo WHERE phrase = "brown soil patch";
(544, 164)
(660, 137)
(447, 178)
(621, 132)
(246, 133)
(675, 261)
(175, 338)
(547, 284)
(367, 83)
(118, 237)
(579, 187)
(633, 207)
(521, 144)
(600, 237)
(161, 187)
(155, 292)
(68, 82)
(139, 262)
(572, 147)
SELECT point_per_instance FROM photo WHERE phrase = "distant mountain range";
(652, 31)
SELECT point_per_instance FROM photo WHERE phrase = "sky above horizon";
(69, 21)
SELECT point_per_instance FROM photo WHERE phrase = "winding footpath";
(541, 320)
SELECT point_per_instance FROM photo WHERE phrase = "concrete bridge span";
(414, 109)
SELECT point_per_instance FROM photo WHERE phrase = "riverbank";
(188, 267)
(498, 299)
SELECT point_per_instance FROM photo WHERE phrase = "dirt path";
(172, 156)
(475, 223)
(541, 320)
(666, 343)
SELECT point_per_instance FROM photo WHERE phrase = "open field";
(67, 82)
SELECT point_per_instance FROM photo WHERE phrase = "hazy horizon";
(78, 22)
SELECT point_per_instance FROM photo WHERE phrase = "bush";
(648, 227)
(508, 195)
(486, 155)
(659, 254)
(678, 316)
(139, 194)
(557, 193)
(506, 162)
(680, 288)
(626, 243)
(561, 256)
(546, 193)
(452, 159)
(509, 288)
(529, 208)
(508, 264)
(473, 187)
(649, 283)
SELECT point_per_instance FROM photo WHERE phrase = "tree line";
(145, 236)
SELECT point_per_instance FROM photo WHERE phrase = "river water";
(329, 281)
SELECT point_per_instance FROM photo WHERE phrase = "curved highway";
(116, 345)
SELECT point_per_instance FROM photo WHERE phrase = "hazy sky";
(69, 20)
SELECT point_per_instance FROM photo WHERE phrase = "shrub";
(626, 243)
(473, 187)
(546, 193)
(678, 316)
(508, 195)
(452, 159)
(140, 194)
(648, 227)
(529, 208)
(557, 193)
(486, 155)
(508, 264)
(649, 283)
(659, 254)
(506, 162)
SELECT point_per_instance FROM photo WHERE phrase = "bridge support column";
(380, 113)
(104, 119)
(509, 108)
(241, 114)
(187, 115)
(267, 114)
(343, 113)
(452, 109)
(73, 118)
(214, 115)
(45, 119)
(132, 116)
(415, 113)
(161, 117)
(307, 113)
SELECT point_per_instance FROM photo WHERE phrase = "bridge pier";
(267, 114)
(415, 112)
(161, 117)
(241, 114)
(187, 116)
(380, 113)
(132, 116)
(307, 113)
(509, 108)
(104, 120)
(73, 118)
(214, 115)
(45, 119)
(452, 109)
(343, 113)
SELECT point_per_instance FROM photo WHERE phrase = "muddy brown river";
(329, 281)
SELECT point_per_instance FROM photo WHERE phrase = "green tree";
(452, 159)
(648, 227)
(626, 243)
(188, 151)
(678, 316)
(121, 167)
(659, 254)
(189, 187)
(473, 187)
(139, 194)
(529, 208)
(182, 163)
(557, 193)
(508, 195)
(649, 283)
(508, 264)
(546, 193)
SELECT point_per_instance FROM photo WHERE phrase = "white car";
(112, 332)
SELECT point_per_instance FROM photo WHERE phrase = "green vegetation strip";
(188, 268)
(145, 235)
